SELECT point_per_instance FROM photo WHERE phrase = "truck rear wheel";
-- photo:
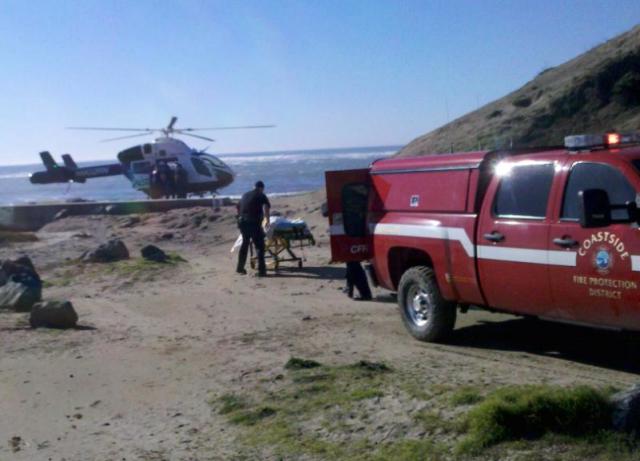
(425, 313)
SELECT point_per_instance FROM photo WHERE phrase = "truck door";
(512, 256)
(347, 203)
(601, 287)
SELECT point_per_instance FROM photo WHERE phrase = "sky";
(328, 73)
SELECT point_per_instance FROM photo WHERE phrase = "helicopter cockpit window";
(141, 167)
(146, 148)
(200, 167)
(215, 161)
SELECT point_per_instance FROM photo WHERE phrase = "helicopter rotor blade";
(124, 137)
(179, 132)
(96, 128)
(247, 127)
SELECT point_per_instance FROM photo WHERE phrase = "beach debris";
(167, 236)
(53, 314)
(153, 253)
(113, 250)
(61, 214)
(16, 443)
(20, 285)
(112, 209)
(626, 410)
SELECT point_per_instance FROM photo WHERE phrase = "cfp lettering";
(357, 249)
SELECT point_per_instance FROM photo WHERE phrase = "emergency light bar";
(590, 141)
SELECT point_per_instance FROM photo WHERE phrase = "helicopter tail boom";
(70, 172)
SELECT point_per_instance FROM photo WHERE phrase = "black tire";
(437, 317)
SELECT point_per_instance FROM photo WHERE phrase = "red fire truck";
(549, 233)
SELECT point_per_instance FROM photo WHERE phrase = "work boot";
(241, 272)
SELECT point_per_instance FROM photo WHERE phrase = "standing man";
(254, 206)
(181, 180)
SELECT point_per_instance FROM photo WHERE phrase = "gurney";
(284, 237)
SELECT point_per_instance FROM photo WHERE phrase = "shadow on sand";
(607, 349)
(312, 272)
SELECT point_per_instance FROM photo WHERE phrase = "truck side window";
(596, 176)
(354, 209)
(524, 191)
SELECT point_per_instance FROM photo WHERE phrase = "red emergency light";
(611, 139)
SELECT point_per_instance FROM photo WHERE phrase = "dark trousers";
(357, 278)
(252, 232)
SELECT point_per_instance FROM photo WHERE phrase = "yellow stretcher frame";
(279, 248)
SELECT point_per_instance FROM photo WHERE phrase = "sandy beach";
(160, 346)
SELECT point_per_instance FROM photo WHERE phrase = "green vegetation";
(626, 91)
(252, 417)
(329, 399)
(133, 270)
(522, 101)
(530, 412)
(296, 363)
(230, 403)
(466, 395)
(413, 450)
(431, 421)
(366, 411)
(139, 268)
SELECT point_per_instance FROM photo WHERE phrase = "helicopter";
(140, 164)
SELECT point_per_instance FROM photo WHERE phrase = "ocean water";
(282, 172)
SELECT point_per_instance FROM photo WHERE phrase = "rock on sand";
(113, 250)
(53, 314)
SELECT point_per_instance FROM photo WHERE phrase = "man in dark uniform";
(181, 180)
(254, 206)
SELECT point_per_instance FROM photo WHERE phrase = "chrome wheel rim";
(418, 305)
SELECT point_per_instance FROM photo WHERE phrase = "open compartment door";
(347, 204)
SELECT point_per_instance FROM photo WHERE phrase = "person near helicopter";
(181, 181)
(165, 180)
(155, 187)
(254, 206)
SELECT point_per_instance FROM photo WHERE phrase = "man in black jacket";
(254, 206)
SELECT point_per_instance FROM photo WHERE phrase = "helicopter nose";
(226, 178)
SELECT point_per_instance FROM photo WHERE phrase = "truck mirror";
(595, 208)
(632, 210)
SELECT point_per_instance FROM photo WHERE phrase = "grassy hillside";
(594, 92)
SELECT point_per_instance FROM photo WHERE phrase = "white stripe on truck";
(489, 252)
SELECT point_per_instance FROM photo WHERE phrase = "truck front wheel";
(425, 313)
